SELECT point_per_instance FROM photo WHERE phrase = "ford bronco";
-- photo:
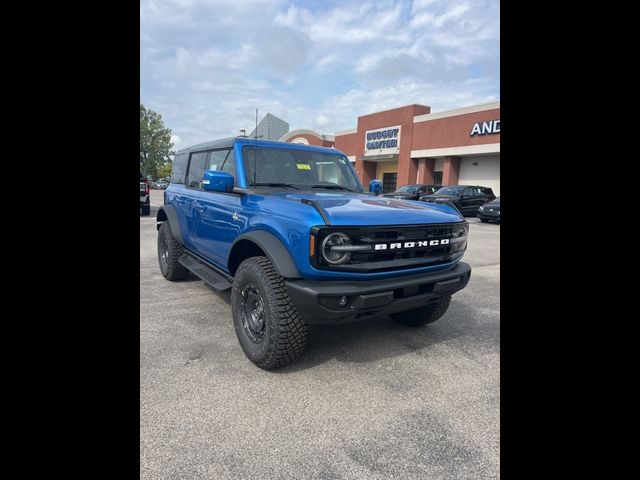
(290, 229)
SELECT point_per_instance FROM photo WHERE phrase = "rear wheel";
(484, 220)
(270, 330)
(169, 251)
(145, 210)
(423, 315)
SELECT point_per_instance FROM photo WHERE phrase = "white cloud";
(176, 140)
(321, 121)
(206, 65)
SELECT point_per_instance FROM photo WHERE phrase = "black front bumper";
(319, 301)
(489, 215)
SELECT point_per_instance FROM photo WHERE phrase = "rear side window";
(179, 168)
(196, 170)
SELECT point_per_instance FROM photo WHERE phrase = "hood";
(360, 209)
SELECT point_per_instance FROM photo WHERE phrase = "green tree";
(165, 171)
(155, 143)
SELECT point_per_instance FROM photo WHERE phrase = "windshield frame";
(355, 187)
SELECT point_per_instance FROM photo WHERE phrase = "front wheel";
(270, 330)
(145, 209)
(423, 315)
(484, 220)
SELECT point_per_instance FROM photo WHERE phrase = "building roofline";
(395, 108)
(455, 112)
(346, 132)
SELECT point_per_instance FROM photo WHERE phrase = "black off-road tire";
(279, 333)
(171, 250)
(484, 220)
(145, 210)
(423, 315)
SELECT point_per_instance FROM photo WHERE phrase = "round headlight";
(335, 256)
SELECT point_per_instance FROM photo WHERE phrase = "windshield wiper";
(333, 187)
(274, 185)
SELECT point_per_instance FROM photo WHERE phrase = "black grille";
(420, 251)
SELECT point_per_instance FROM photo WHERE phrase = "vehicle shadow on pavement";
(372, 340)
(376, 339)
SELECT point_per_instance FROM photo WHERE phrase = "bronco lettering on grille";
(418, 244)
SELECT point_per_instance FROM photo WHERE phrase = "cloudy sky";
(206, 65)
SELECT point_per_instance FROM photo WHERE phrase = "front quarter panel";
(287, 220)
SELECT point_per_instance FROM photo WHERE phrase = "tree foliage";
(164, 171)
(155, 143)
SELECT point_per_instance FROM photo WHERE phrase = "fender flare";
(168, 213)
(274, 249)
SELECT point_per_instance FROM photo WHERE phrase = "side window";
(179, 168)
(216, 159)
(478, 191)
(196, 170)
(467, 192)
(229, 164)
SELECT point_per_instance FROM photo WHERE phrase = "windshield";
(449, 191)
(302, 169)
(407, 188)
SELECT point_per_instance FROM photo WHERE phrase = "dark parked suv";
(466, 198)
(145, 200)
(412, 192)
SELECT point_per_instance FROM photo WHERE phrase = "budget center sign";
(382, 141)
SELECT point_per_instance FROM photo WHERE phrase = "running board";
(206, 272)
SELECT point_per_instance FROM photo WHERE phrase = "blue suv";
(290, 229)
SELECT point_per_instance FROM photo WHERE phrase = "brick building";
(409, 145)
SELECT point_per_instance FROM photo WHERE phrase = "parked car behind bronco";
(466, 198)
(412, 192)
(145, 199)
(289, 228)
(490, 211)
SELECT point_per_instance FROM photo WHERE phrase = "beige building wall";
(386, 167)
(485, 173)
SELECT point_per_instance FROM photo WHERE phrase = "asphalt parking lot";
(371, 400)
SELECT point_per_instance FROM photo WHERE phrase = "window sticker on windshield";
(303, 166)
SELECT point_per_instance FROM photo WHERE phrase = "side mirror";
(216, 181)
